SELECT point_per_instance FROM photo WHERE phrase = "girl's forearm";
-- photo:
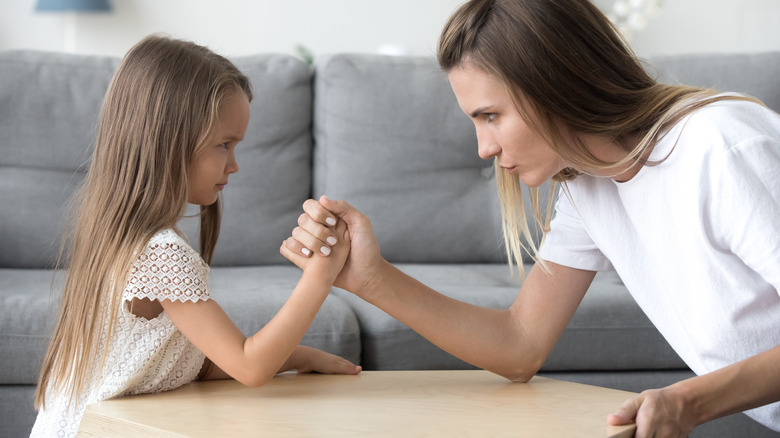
(270, 348)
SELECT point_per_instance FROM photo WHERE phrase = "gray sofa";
(384, 133)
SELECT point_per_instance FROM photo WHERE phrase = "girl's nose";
(232, 164)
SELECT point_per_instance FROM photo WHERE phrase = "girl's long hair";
(569, 73)
(159, 111)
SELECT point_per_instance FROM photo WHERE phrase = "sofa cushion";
(608, 332)
(50, 104)
(250, 296)
(391, 139)
(751, 73)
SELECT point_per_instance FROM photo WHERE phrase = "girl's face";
(210, 168)
(501, 131)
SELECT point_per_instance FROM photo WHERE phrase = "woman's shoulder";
(736, 113)
(724, 125)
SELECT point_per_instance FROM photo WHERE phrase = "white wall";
(238, 27)
(687, 26)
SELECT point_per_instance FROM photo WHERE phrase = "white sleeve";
(568, 242)
(745, 206)
(168, 268)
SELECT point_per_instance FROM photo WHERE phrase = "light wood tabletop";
(373, 403)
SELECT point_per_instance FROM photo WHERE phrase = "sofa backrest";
(49, 106)
(755, 74)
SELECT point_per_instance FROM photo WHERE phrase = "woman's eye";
(490, 116)
(223, 145)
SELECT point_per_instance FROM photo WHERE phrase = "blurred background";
(242, 27)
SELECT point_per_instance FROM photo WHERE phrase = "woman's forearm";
(744, 385)
(513, 343)
(487, 338)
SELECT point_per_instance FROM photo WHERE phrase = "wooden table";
(374, 403)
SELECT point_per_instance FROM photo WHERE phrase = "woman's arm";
(675, 410)
(513, 343)
(255, 360)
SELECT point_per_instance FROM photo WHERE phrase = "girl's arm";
(513, 343)
(255, 360)
(303, 359)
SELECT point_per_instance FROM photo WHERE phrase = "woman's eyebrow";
(479, 111)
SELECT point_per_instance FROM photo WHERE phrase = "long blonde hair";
(569, 73)
(159, 110)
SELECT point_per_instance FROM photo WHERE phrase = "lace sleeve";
(168, 268)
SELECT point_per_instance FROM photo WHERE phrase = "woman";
(674, 187)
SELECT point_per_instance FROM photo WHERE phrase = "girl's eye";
(223, 145)
(490, 116)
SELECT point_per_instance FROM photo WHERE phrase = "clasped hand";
(318, 232)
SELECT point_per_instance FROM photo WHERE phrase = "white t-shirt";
(695, 239)
(146, 356)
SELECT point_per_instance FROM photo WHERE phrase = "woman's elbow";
(521, 370)
(518, 375)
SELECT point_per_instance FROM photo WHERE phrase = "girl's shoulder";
(169, 240)
(168, 236)
(168, 268)
(169, 246)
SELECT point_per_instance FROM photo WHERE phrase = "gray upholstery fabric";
(751, 73)
(49, 105)
(16, 410)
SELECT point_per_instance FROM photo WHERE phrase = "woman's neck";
(609, 151)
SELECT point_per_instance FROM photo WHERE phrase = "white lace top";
(146, 355)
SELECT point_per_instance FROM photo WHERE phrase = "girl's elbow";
(255, 381)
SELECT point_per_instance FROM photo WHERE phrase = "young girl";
(136, 314)
(676, 188)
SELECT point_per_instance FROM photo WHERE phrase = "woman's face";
(501, 131)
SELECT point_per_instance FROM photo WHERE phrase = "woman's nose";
(487, 146)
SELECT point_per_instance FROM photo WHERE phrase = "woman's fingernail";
(332, 240)
(330, 221)
(325, 250)
(305, 251)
